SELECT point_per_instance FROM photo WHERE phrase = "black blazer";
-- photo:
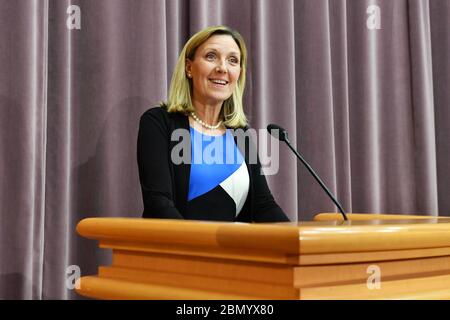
(165, 185)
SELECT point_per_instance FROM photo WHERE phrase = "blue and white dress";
(219, 180)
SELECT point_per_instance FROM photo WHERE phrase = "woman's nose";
(221, 67)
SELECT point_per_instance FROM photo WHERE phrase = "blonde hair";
(179, 99)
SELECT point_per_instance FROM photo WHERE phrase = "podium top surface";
(327, 234)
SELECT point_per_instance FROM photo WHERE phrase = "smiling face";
(214, 70)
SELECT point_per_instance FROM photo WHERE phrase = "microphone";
(282, 135)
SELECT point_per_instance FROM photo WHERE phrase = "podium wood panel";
(322, 259)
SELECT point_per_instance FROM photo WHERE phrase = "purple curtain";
(361, 86)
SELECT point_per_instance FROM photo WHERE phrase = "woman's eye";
(210, 56)
(234, 60)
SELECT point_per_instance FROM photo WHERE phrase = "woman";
(205, 100)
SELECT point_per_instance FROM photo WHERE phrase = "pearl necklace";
(205, 124)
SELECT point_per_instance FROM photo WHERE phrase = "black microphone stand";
(317, 179)
(284, 138)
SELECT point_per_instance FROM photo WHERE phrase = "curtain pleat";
(439, 17)
(423, 107)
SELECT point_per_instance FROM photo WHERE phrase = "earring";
(189, 75)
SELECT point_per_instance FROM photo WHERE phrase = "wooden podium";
(371, 256)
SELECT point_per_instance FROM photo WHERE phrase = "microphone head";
(278, 132)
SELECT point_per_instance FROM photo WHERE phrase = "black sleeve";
(265, 209)
(154, 167)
